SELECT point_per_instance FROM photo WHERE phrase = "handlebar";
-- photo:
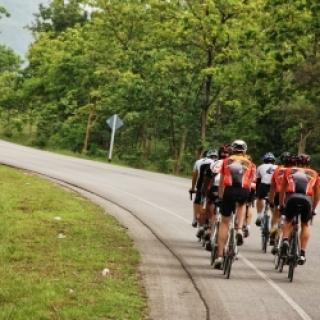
(191, 193)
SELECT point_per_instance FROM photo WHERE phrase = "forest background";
(183, 76)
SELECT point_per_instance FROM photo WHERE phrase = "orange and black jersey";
(301, 180)
(238, 171)
(277, 177)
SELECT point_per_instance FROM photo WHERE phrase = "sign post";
(114, 123)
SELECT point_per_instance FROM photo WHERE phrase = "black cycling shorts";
(231, 196)
(276, 199)
(199, 197)
(212, 194)
(252, 196)
(293, 200)
(263, 190)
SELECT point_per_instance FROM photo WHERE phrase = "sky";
(13, 33)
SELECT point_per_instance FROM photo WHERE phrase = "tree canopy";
(183, 75)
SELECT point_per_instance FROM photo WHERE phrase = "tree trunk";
(181, 151)
(87, 136)
(303, 142)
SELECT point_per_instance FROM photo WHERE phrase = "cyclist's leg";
(305, 229)
(196, 208)
(291, 204)
(275, 218)
(242, 196)
(249, 212)
(262, 192)
(227, 208)
(211, 196)
(202, 215)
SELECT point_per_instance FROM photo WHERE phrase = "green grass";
(45, 277)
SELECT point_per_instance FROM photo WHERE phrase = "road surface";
(179, 280)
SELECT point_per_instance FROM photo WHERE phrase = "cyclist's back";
(300, 189)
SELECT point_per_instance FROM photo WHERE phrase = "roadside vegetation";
(54, 246)
(182, 75)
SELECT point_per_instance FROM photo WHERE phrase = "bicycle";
(207, 222)
(265, 226)
(277, 242)
(230, 250)
(292, 256)
(214, 238)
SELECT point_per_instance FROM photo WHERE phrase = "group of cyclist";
(227, 178)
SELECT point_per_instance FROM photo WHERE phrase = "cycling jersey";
(197, 164)
(277, 177)
(204, 165)
(238, 171)
(265, 171)
(301, 180)
(214, 171)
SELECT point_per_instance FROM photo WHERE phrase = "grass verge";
(50, 268)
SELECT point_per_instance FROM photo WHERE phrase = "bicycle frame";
(214, 238)
(230, 248)
(265, 226)
(294, 247)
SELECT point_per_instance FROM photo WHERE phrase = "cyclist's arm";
(282, 193)
(194, 179)
(315, 198)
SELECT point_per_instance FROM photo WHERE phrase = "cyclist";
(197, 199)
(211, 185)
(235, 183)
(275, 186)
(300, 186)
(263, 175)
(250, 202)
(212, 156)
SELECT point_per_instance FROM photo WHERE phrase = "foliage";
(182, 75)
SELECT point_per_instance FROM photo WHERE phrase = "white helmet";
(212, 153)
(239, 145)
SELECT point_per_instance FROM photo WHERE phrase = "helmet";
(303, 159)
(204, 153)
(212, 153)
(290, 160)
(239, 145)
(284, 156)
(269, 157)
(224, 151)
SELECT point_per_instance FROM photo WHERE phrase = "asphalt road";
(178, 277)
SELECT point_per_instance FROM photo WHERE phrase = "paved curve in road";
(178, 277)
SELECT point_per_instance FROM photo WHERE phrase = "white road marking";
(150, 203)
(293, 304)
(282, 293)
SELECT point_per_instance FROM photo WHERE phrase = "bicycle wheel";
(281, 263)
(214, 254)
(225, 264)
(265, 232)
(228, 268)
(276, 261)
(293, 257)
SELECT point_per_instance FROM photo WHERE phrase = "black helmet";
(303, 159)
(284, 156)
(290, 161)
(224, 151)
(239, 145)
